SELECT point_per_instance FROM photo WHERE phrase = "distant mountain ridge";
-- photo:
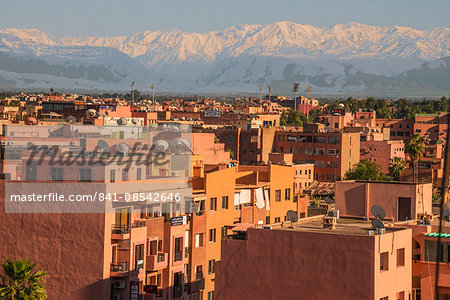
(233, 60)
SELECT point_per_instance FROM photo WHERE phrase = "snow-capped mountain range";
(344, 58)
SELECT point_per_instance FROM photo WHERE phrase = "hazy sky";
(121, 17)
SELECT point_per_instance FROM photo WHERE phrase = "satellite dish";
(341, 105)
(328, 200)
(161, 146)
(30, 121)
(378, 212)
(134, 121)
(123, 149)
(446, 211)
(91, 113)
(71, 119)
(292, 216)
(376, 224)
(283, 127)
(122, 121)
(103, 146)
(180, 144)
(30, 146)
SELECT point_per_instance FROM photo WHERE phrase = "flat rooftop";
(348, 226)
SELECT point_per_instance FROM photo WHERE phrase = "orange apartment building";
(332, 153)
(142, 252)
(382, 152)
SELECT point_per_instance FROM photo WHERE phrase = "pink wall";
(278, 264)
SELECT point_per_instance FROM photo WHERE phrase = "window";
(112, 175)
(287, 194)
(401, 296)
(139, 174)
(212, 235)
(277, 195)
(158, 280)
(225, 202)
(56, 174)
(211, 266)
(213, 203)
(223, 232)
(124, 175)
(85, 175)
(277, 220)
(384, 298)
(199, 240)
(153, 247)
(384, 261)
(230, 139)
(178, 249)
(139, 256)
(400, 257)
(211, 295)
(267, 220)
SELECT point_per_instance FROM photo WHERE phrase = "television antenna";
(260, 86)
(270, 92)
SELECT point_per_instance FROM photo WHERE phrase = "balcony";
(157, 262)
(198, 276)
(122, 232)
(119, 269)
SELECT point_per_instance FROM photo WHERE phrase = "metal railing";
(199, 276)
(161, 257)
(178, 255)
(119, 266)
(125, 228)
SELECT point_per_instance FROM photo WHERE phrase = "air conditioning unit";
(333, 213)
(119, 284)
(116, 297)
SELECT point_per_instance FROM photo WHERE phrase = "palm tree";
(397, 167)
(415, 146)
(21, 282)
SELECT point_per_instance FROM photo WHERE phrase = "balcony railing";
(125, 228)
(119, 266)
(211, 269)
(199, 276)
(178, 255)
(161, 257)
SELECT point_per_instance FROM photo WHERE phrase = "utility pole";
(295, 90)
(132, 92)
(153, 93)
(260, 91)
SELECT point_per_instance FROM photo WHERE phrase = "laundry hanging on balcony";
(266, 197)
(244, 196)
(259, 198)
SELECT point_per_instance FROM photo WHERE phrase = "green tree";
(292, 117)
(415, 146)
(397, 167)
(21, 282)
(366, 170)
